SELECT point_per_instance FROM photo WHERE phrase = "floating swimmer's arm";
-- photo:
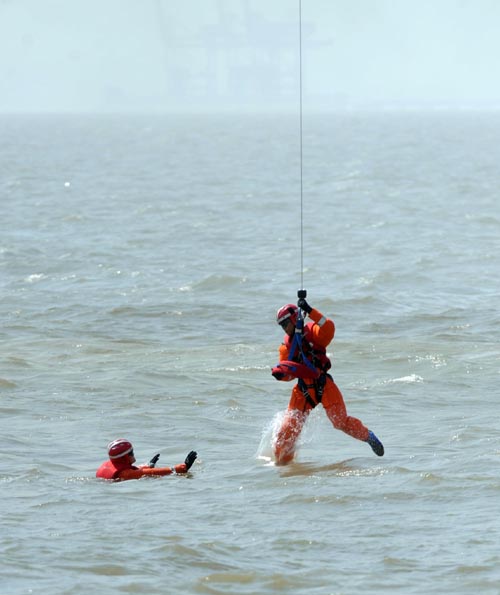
(146, 470)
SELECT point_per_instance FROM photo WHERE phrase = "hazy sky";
(151, 55)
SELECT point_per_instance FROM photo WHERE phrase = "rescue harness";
(308, 361)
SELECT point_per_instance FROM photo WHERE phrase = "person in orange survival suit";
(306, 360)
(121, 463)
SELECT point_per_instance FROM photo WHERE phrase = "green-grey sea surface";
(142, 260)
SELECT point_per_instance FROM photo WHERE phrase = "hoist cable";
(301, 157)
(301, 293)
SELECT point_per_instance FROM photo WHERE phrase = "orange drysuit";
(309, 392)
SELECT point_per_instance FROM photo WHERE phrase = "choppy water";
(142, 260)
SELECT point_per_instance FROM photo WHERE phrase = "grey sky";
(164, 55)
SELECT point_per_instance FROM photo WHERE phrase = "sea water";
(142, 260)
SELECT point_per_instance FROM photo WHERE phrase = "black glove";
(303, 305)
(190, 459)
(153, 461)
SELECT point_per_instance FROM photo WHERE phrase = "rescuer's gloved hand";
(190, 459)
(303, 305)
(153, 461)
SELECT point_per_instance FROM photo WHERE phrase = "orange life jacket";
(111, 470)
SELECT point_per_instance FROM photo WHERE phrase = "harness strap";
(303, 387)
(297, 343)
(319, 387)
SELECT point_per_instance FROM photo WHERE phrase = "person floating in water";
(120, 465)
(303, 357)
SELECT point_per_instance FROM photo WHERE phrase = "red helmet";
(119, 448)
(287, 311)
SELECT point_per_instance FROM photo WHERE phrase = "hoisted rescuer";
(303, 357)
(121, 463)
